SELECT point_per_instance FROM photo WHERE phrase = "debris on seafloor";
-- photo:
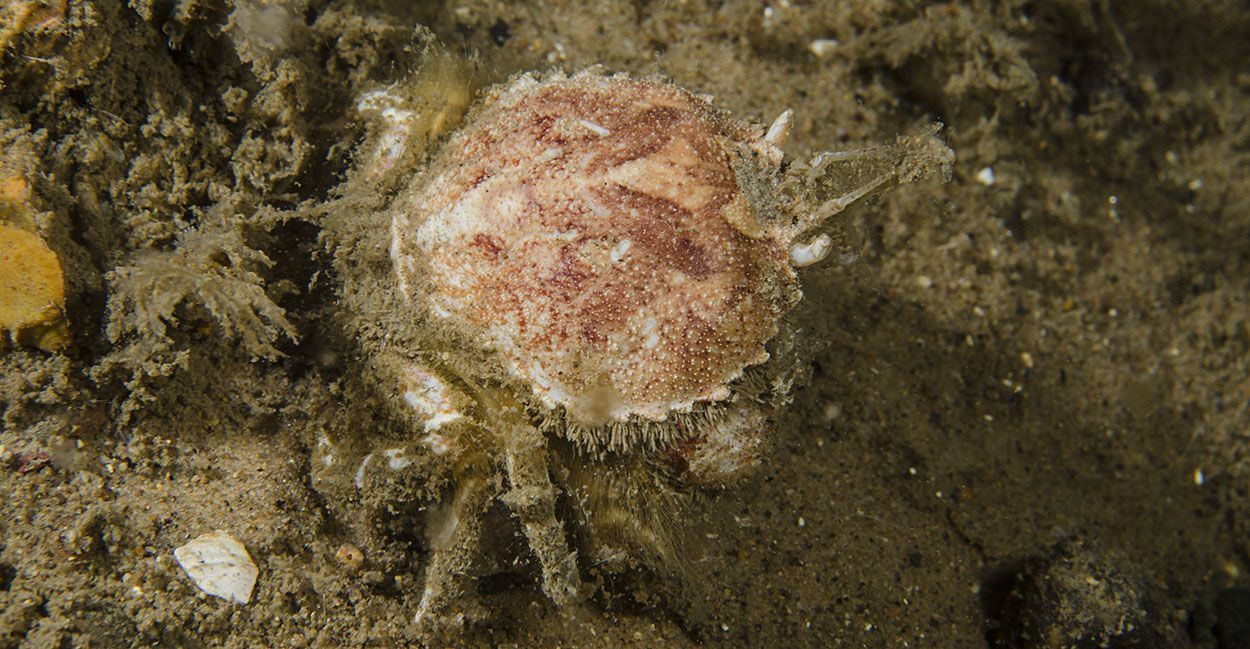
(32, 286)
(350, 557)
(219, 565)
(31, 462)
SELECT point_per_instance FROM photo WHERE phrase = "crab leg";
(533, 499)
(910, 158)
(831, 207)
(455, 538)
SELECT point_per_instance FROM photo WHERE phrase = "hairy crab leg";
(831, 207)
(455, 538)
(532, 498)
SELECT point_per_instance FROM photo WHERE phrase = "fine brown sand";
(1028, 417)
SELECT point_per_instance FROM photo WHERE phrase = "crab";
(589, 307)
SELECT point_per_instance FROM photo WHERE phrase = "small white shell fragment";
(360, 471)
(823, 47)
(986, 176)
(594, 128)
(806, 254)
(219, 565)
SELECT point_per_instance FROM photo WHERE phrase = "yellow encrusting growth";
(32, 287)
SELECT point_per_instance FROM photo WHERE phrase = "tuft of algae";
(32, 285)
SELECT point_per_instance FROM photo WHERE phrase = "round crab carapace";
(593, 233)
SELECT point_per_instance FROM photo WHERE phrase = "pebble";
(823, 47)
(350, 556)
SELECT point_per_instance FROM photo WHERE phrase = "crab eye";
(814, 251)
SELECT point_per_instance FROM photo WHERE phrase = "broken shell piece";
(219, 565)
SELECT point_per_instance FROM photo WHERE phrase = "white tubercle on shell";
(770, 145)
(779, 131)
(219, 565)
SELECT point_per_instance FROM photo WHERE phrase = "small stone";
(350, 556)
(986, 176)
(823, 47)
(219, 565)
(1078, 596)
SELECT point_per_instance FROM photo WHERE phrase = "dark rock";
(1079, 598)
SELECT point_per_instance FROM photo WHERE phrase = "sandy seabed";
(1025, 428)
